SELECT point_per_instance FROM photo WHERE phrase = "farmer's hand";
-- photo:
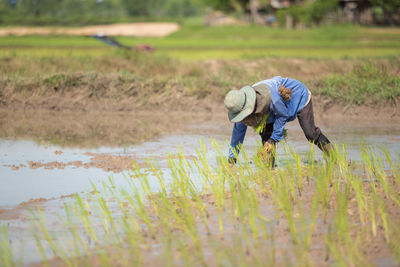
(267, 147)
(265, 152)
(231, 162)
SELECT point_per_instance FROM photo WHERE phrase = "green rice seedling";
(105, 259)
(325, 186)
(103, 204)
(283, 198)
(179, 209)
(394, 170)
(145, 185)
(41, 249)
(72, 229)
(203, 165)
(248, 170)
(309, 225)
(299, 177)
(167, 241)
(162, 204)
(290, 181)
(344, 240)
(372, 212)
(41, 226)
(311, 161)
(283, 193)
(339, 231)
(6, 254)
(137, 203)
(394, 244)
(197, 202)
(267, 180)
(360, 195)
(133, 237)
(136, 200)
(79, 245)
(381, 210)
(215, 179)
(157, 172)
(356, 184)
(255, 219)
(131, 224)
(247, 191)
(378, 169)
(182, 213)
(245, 205)
(83, 209)
(180, 179)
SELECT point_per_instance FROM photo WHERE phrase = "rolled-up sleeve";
(279, 126)
(238, 134)
(281, 118)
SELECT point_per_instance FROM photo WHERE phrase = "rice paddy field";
(193, 42)
(111, 157)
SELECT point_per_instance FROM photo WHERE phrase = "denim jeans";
(307, 124)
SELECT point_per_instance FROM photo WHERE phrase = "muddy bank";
(122, 128)
(96, 128)
(131, 98)
(150, 29)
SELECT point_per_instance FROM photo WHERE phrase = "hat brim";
(248, 106)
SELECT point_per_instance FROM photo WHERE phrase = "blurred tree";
(386, 11)
(182, 8)
(309, 12)
(318, 10)
(227, 5)
(137, 7)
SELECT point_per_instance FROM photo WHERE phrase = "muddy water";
(33, 171)
(32, 174)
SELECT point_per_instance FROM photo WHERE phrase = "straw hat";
(240, 103)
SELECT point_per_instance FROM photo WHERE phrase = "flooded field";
(49, 176)
(33, 171)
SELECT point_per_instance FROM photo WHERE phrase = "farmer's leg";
(312, 132)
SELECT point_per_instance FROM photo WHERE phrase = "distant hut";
(356, 11)
(353, 11)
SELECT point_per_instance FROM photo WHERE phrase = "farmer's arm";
(281, 117)
(238, 134)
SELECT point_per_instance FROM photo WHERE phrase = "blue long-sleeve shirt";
(280, 112)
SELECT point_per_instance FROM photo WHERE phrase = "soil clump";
(148, 29)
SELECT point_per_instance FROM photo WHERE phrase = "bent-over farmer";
(267, 106)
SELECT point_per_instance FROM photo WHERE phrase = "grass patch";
(366, 83)
(143, 78)
(228, 42)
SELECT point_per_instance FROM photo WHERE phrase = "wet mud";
(106, 162)
(48, 176)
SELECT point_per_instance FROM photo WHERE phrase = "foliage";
(366, 83)
(384, 11)
(79, 12)
(310, 12)
(136, 7)
(227, 5)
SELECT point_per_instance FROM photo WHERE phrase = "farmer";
(267, 106)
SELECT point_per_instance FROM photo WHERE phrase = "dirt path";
(146, 29)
